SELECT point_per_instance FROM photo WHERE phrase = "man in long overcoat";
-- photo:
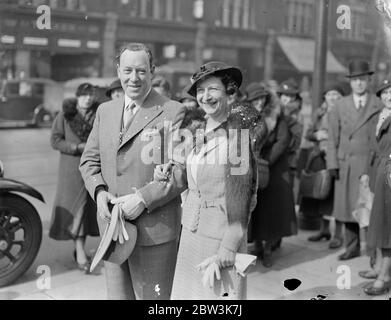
(348, 149)
(129, 138)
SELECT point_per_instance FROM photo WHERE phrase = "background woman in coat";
(217, 206)
(379, 230)
(74, 212)
(274, 216)
(318, 133)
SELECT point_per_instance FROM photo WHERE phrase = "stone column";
(108, 47)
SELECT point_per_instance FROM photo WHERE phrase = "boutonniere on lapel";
(149, 133)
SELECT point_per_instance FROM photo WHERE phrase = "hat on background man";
(359, 68)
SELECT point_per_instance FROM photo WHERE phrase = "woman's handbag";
(263, 173)
(315, 185)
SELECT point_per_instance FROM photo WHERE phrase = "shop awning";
(301, 53)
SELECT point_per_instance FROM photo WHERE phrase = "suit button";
(119, 174)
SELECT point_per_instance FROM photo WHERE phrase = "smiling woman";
(217, 205)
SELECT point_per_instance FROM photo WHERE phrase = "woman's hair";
(85, 89)
(229, 83)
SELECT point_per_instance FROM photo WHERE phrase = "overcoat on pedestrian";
(74, 212)
(348, 150)
(379, 230)
(274, 216)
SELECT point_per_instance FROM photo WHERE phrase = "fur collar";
(80, 125)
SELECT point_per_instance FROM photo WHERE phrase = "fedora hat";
(255, 90)
(359, 68)
(386, 83)
(116, 84)
(214, 68)
(113, 250)
(289, 87)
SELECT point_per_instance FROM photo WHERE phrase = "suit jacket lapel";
(370, 109)
(148, 111)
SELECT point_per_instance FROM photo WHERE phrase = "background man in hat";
(348, 149)
(114, 164)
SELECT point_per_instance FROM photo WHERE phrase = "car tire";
(16, 213)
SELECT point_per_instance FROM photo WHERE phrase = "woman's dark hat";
(116, 84)
(289, 87)
(334, 86)
(214, 68)
(386, 83)
(255, 90)
(359, 68)
(85, 89)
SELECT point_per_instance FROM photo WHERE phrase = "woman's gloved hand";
(162, 172)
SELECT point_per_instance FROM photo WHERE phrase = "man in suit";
(348, 149)
(117, 167)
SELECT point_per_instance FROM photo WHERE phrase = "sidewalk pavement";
(316, 266)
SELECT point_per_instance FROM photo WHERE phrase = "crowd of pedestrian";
(190, 249)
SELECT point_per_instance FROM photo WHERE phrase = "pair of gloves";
(211, 269)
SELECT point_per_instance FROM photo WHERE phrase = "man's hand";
(225, 257)
(334, 173)
(102, 199)
(132, 205)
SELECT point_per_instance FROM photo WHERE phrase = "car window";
(12, 89)
(38, 89)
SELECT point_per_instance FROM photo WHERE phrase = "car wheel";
(20, 237)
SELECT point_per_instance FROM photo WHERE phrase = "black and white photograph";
(203, 150)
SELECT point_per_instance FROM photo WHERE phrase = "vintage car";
(28, 102)
(20, 229)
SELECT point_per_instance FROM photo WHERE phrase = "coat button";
(119, 174)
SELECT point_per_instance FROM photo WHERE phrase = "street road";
(28, 157)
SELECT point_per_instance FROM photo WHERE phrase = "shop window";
(299, 18)
(237, 14)
(357, 30)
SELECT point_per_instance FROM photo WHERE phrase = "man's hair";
(134, 46)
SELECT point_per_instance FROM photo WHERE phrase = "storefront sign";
(35, 41)
(7, 39)
(70, 43)
(93, 44)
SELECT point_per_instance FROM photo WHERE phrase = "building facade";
(267, 39)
